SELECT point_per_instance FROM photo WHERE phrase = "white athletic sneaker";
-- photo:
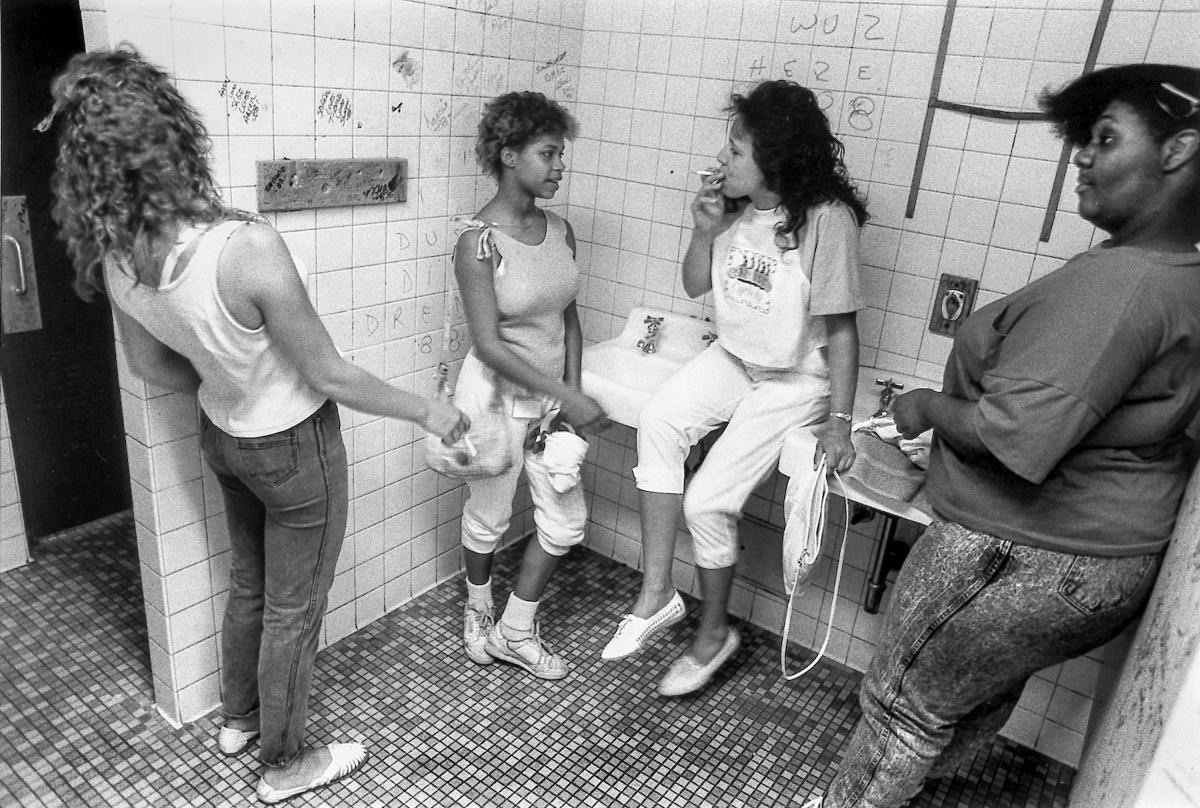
(476, 625)
(344, 758)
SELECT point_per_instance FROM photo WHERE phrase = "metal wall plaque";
(303, 184)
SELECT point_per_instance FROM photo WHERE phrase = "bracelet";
(845, 416)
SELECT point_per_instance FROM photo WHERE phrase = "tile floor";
(78, 726)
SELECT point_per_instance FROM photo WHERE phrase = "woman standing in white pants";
(515, 266)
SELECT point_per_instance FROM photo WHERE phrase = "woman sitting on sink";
(782, 267)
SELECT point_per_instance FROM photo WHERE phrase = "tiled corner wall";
(278, 79)
(14, 546)
(654, 77)
(647, 80)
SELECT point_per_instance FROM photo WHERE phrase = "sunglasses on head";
(1178, 104)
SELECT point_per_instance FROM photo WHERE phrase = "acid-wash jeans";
(285, 503)
(972, 617)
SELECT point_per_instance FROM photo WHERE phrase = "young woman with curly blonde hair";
(208, 301)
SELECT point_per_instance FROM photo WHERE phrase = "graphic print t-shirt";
(765, 297)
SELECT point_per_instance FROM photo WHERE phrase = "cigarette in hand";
(470, 446)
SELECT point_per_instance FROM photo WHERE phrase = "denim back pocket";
(272, 459)
(1094, 584)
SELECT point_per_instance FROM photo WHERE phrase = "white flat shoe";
(344, 758)
(686, 675)
(234, 741)
(633, 632)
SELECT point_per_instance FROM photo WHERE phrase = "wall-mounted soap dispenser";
(953, 302)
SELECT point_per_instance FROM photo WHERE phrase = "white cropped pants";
(760, 406)
(560, 519)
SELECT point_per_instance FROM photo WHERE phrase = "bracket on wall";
(936, 103)
(954, 300)
(303, 184)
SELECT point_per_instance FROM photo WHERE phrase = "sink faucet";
(890, 386)
(649, 343)
(709, 338)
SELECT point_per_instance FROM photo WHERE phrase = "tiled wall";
(289, 79)
(647, 80)
(654, 77)
(14, 546)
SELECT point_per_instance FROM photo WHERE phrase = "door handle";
(20, 307)
(23, 284)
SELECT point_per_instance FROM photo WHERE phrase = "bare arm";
(573, 331)
(707, 212)
(710, 220)
(697, 264)
(257, 266)
(477, 285)
(833, 437)
(153, 361)
(574, 339)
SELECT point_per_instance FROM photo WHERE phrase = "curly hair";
(1074, 108)
(132, 160)
(794, 148)
(512, 120)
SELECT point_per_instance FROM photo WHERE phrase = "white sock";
(479, 596)
(518, 617)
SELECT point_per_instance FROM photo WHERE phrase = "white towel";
(884, 427)
(563, 456)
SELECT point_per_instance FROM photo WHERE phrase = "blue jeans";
(972, 617)
(285, 503)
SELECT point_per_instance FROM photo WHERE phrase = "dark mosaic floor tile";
(78, 726)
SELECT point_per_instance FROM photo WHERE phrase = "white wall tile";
(648, 119)
(1175, 36)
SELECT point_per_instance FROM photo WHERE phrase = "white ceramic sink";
(621, 376)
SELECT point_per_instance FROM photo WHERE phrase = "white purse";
(486, 449)
(803, 534)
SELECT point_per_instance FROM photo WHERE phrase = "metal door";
(58, 366)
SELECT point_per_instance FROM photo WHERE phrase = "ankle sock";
(479, 596)
(518, 617)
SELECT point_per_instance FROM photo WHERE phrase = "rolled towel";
(884, 468)
(884, 427)
(563, 456)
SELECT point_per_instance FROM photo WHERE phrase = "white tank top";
(248, 388)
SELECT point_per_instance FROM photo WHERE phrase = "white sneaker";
(234, 741)
(476, 625)
(633, 632)
(344, 758)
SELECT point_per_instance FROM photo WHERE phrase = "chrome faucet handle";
(708, 338)
(890, 386)
(649, 343)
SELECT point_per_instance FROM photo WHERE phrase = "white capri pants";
(760, 405)
(560, 519)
